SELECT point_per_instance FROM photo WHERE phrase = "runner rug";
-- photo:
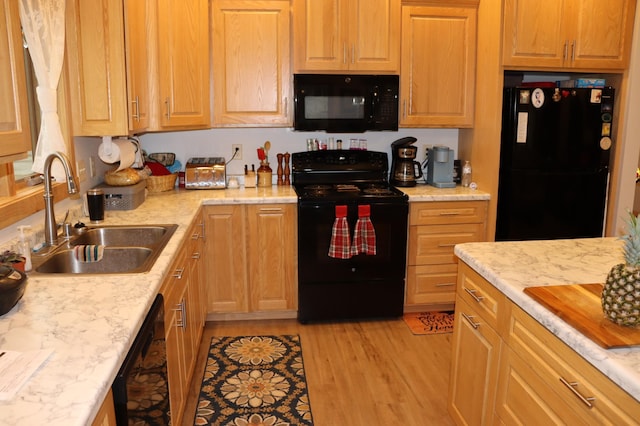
(429, 322)
(254, 380)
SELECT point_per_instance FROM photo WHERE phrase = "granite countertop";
(90, 321)
(513, 266)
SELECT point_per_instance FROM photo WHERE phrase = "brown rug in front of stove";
(254, 380)
(429, 322)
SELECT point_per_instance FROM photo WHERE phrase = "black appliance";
(345, 103)
(140, 390)
(363, 285)
(405, 170)
(554, 162)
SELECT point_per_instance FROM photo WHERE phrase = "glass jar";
(265, 175)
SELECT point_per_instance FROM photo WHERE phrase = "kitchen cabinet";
(506, 368)
(540, 377)
(438, 63)
(346, 35)
(106, 415)
(254, 253)
(107, 47)
(434, 229)
(574, 34)
(184, 319)
(181, 89)
(15, 134)
(251, 62)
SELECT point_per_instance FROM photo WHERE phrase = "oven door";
(315, 223)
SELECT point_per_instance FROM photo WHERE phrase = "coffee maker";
(440, 167)
(404, 169)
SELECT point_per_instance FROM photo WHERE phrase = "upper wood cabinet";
(109, 84)
(437, 76)
(251, 62)
(182, 100)
(15, 136)
(341, 35)
(576, 34)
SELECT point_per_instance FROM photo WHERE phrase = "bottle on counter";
(466, 174)
(265, 174)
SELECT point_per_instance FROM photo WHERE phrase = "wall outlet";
(236, 147)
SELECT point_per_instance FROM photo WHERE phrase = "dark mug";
(95, 203)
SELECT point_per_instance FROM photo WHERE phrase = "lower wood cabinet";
(251, 260)
(106, 415)
(184, 318)
(434, 229)
(506, 368)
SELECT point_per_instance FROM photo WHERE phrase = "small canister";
(95, 204)
(265, 175)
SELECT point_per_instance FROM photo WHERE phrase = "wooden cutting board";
(579, 306)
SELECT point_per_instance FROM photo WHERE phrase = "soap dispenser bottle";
(25, 247)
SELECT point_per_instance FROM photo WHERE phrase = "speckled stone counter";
(423, 192)
(513, 266)
(90, 321)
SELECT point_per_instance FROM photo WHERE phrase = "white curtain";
(44, 29)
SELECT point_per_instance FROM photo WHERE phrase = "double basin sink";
(127, 249)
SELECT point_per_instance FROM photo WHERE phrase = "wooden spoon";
(267, 147)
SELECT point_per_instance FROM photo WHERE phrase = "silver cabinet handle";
(447, 245)
(166, 102)
(353, 53)
(136, 104)
(178, 273)
(473, 294)
(201, 224)
(586, 400)
(573, 51)
(195, 255)
(195, 236)
(181, 322)
(286, 107)
(404, 108)
(449, 213)
(565, 50)
(470, 320)
(445, 284)
(344, 53)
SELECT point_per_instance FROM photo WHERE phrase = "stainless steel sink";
(127, 249)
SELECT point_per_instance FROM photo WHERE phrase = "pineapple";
(621, 293)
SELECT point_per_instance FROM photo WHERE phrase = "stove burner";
(377, 191)
(345, 187)
(317, 187)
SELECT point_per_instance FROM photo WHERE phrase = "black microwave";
(345, 103)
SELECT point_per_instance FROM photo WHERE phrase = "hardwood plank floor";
(358, 373)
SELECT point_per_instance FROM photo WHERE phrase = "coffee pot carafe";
(404, 169)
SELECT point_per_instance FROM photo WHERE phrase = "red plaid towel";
(364, 236)
(340, 246)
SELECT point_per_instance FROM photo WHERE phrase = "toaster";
(205, 173)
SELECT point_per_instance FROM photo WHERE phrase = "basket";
(161, 183)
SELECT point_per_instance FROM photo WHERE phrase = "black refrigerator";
(554, 162)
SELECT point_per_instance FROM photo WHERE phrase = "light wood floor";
(359, 373)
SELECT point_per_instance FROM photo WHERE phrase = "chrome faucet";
(50, 226)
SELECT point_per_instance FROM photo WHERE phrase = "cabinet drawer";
(480, 294)
(572, 378)
(447, 212)
(434, 244)
(431, 284)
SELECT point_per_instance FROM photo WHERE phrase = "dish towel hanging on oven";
(364, 236)
(340, 246)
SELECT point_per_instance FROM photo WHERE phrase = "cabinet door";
(354, 35)
(272, 257)
(474, 367)
(15, 136)
(437, 81)
(320, 35)
(534, 33)
(602, 34)
(431, 284)
(251, 67)
(137, 22)
(95, 49)
(183, 64)
(374, 35)
(226, 276)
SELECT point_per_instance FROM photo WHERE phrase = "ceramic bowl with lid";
(12, 285)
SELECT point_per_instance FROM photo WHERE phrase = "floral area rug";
(429, 322)
(254, 380)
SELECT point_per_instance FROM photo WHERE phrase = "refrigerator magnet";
(605, 143)
(525, 95)
(596, 96)
(538, 98)
(606, 129)
(556, 95)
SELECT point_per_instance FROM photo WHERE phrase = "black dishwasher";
(140, 390)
